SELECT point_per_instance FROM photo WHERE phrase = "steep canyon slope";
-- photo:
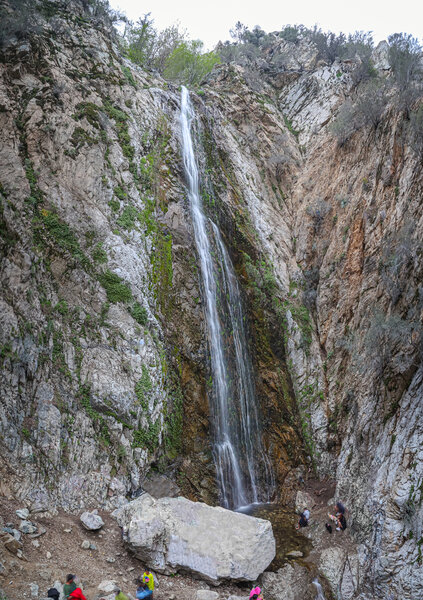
(103, 343)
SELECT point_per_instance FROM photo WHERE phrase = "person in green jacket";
(69, 586)
(119, 595)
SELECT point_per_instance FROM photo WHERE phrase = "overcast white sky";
(211, 20)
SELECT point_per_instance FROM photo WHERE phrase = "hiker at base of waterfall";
(69, 586)
(150, 582)
(256, 594)
(339, 517)
(303, 520)
(142, 589)
(119, 595)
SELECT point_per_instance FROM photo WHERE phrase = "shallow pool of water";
(286, 536)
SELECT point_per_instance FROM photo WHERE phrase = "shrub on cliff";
(17, 20)
(345, 123)
(405, 60)
(148, 47)
(371, 103)
(188, 64)
(416, 130)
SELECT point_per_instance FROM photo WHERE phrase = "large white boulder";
(175, 534)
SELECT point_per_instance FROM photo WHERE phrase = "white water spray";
(243, 470)
(320, 595)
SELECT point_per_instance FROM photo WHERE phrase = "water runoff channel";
(244, 473)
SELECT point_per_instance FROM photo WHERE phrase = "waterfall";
(320, 595)
(243, 470)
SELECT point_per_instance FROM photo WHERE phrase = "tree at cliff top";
(167, 51)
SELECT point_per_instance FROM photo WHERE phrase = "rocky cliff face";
(103, 340)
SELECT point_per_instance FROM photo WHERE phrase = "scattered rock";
(16, 534)
(41, 531)
(302, 501)
(93, 546)
(85, 545)
(206, 595)
(107, 586)
(48, 555)
(34, 590)
(92, 521)
(10, 543)
(67, 530)
(171, 534)
(295, 554)
(129, 569)
(27, 527)
(289, 583)
(110, 559)
(35, 543)
(22, 513)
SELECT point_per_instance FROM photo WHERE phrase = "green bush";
(116, 289)
(139, 313)
(188, 65)
(99, 254)
(128, 217)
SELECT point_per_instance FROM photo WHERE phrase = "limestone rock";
(85, 545)
(206, 595)
(10, 543)
(22, 513)
(91, 521)
(107, 586)
(302, 501)
(289, 583)
(172, 534)
(27, 527)
(160, 486)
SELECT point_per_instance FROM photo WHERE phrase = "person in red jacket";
(77, 595)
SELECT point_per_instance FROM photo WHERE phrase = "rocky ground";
(48, 558)
(59, 550)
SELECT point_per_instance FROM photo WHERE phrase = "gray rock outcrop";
(175, 534)
(91, 521)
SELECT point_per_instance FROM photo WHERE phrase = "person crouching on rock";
(303, 520)
(256, 594)
(142, 589)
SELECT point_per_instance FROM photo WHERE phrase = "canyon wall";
(103, 343)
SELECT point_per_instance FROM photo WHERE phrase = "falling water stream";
(243, 470)
(319, 590)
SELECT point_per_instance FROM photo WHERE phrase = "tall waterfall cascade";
(244, 472)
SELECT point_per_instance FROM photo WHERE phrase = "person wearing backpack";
(142, 589)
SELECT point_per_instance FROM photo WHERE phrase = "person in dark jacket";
(53, 593)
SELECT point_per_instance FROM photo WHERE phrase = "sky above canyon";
(211, 21)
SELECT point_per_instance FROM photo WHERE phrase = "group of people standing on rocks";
(71, 591)
(338, 518)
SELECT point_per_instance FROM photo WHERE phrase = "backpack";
(328, 527)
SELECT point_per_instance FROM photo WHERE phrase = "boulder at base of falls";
(175, 534)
